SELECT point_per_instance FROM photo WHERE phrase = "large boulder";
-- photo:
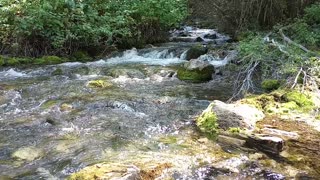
(235, 115)
(196, 71)
(195, 52)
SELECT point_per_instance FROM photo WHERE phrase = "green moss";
(207, 122)
(234, 130)
(81, 56)
(12, 62)
(300, 99)
(195, 52)
(270, 84)
(196, 75)
(318, 117)
(99, 84)
(49, 60)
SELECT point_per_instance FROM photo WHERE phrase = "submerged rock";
(121, 171)
(196, 71)
(131, 73)
(233, 164)
(28, 153)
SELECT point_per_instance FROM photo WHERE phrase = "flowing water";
(145, 112)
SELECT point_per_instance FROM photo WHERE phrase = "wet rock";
(28, 153)
(130, 73)
(236, 115)
(280, 133)
(265, 143)
(195, 52)
(82, 70)
(232, 165)
(199, 39)
(196, 71)
(231, 141)
(121, 171)
(210, 36)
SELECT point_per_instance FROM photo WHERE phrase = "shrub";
(270, 84)
(1, 61)
(12, 62)
(48, 60)
(63, 26)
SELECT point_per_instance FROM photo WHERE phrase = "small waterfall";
(155, 57)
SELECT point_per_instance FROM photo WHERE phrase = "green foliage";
(49, 60)
(270, 84)
(207, 122)
(307, 29)
(1, 61)
(82, 56)
(312, 15)
(62, 26)
(12, 62)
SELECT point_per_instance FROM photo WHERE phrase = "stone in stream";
(210, 36)
(196, 51)
(196, 71)
(28, 153)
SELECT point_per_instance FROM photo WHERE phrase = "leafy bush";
(39, 27)
(270, 84)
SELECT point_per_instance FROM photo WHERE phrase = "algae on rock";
(99, 84)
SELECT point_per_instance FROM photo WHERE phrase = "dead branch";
(289, 41)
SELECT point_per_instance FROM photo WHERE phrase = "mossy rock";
(195, 52)
(208, 122)
(49, 60)
(81, 56)
(270, 84)
(99, 84)
(196, 75)
(302, 100)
